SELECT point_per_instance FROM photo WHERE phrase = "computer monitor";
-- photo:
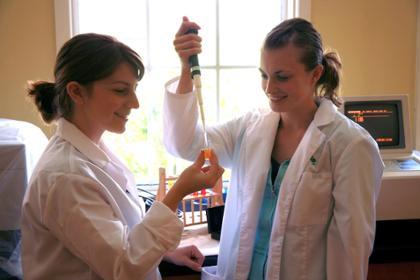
(386, 118)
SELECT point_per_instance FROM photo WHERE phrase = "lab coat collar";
(101, 156)
(326, 113)
(312, 139)
(81, 142)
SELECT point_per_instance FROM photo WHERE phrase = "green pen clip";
(313, 160)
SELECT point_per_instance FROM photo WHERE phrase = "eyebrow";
(277, 72)
(121, 82)
(127, 84)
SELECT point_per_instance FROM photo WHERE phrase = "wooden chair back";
(190, 214)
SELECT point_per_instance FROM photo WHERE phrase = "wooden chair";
(213, 196)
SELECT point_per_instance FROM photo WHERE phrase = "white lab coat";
(324, 223)
(82, 218)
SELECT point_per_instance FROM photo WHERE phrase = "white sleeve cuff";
(172, 85)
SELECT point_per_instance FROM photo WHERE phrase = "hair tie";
(323, 60)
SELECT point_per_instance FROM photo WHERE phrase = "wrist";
(172, 199)
(185, 69)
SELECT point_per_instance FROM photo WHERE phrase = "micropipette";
(196, 76)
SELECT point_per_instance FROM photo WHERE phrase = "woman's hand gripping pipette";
(187, 44)
(196, 76)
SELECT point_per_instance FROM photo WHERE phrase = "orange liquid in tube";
(207, 153)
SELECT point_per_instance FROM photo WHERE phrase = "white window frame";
(65, 28)
(63, 16)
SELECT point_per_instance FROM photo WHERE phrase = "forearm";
(185, 83)
(172, 199)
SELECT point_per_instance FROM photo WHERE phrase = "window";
(232, 32)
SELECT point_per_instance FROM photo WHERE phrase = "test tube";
(207, 153)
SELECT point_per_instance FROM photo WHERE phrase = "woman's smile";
(276, 98)
(122, 115)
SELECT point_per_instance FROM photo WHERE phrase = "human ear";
(317, 73)
(75, 91)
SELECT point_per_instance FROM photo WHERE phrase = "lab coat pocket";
(312, 200)
(209, 273)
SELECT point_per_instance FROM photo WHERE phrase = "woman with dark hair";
(82, 217)
(304, 183)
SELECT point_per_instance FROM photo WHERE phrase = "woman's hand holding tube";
(194, 178)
